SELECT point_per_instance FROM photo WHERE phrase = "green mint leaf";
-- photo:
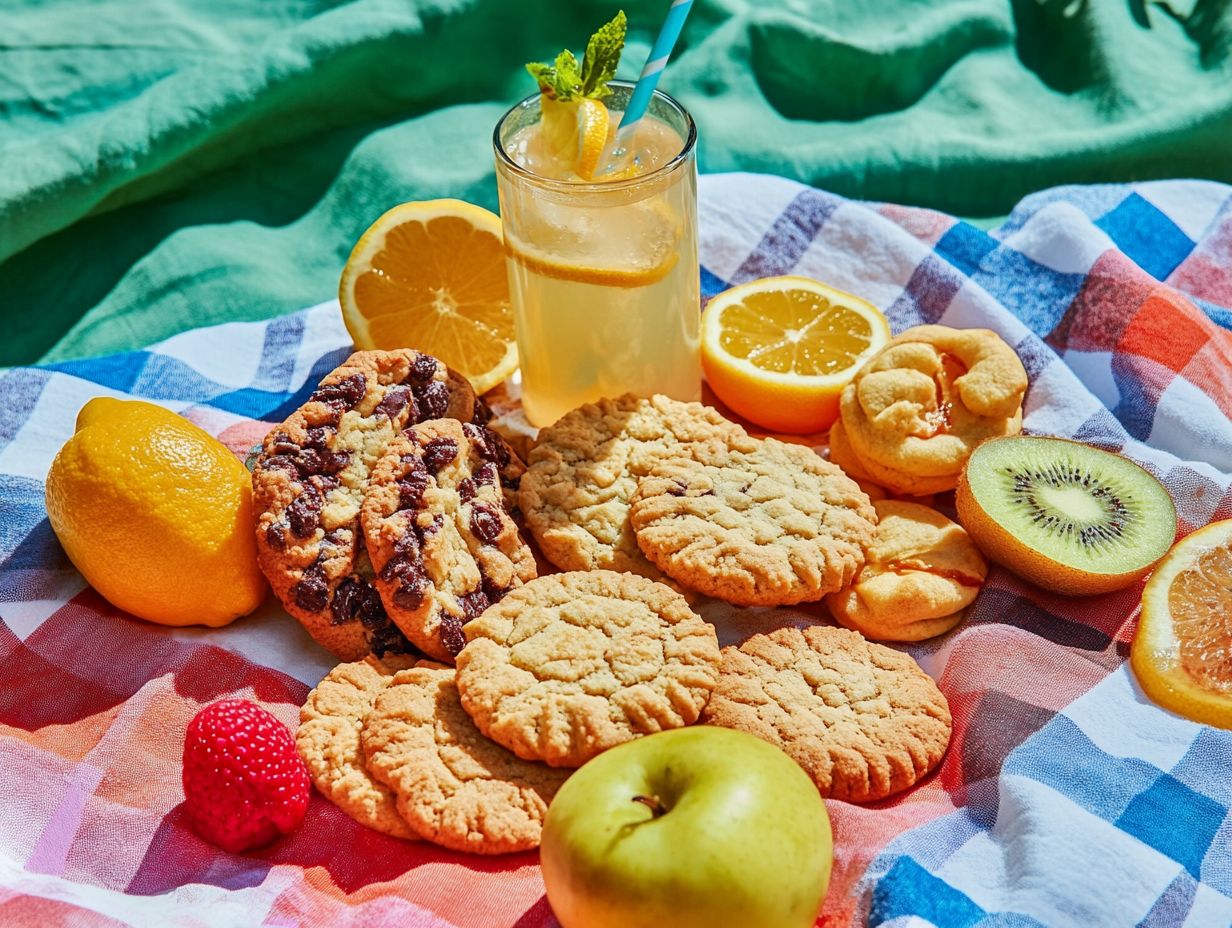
(602, 57)
(565, 79)
(568, 75)
(544, 75)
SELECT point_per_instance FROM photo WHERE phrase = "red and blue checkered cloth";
(1066, 797)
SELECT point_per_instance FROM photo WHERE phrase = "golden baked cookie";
(328, 740)
(441, 539)
(772, 526)
(309, 482)
(920, 573)
(914, 413)
(584, 470)
(454, 787)
(572, 664)
(863, 720)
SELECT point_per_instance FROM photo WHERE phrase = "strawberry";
(244, 783)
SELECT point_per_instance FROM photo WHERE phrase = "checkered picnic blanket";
(1066, 797)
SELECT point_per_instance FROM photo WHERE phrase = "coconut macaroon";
(920, 573)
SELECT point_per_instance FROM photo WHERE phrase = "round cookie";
(309, 482)
(914, 413)
(328, 741)
(772, 526)
(441, 540)
(584, 470)
(572, 664)
(863, 720)
(454, 787)
(920, 573)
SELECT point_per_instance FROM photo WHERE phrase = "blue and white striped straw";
(639, 101)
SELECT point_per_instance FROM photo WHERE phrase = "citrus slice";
(431, 275)
(779, 350)
(1182, 651)
(592, 136)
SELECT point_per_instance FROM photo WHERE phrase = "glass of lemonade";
(603, 274)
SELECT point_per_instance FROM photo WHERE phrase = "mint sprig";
(564, 79)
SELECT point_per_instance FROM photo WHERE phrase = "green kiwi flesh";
(1088, 509)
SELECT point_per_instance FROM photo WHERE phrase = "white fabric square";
(1122, 722)
(1062, 238)
(1038, 861)
(734, 211)
(1190, 204)
(229, 354)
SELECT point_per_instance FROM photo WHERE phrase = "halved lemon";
(1182, 651)
(431, 275)
(779, 350)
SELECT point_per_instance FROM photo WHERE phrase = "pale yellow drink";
(603, 275)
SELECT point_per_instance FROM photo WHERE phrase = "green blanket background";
(166, 165)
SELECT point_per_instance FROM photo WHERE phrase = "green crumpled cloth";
(166, 165)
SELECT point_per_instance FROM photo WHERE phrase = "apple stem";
(652, 803)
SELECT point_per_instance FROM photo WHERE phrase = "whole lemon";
(156, 514)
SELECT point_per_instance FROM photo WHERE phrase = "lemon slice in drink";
(779, 350)
(1182, 650)
(575, 132)
(431, 275)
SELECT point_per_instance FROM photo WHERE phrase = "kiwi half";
(1064, 515)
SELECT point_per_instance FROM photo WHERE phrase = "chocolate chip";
(678, 489)
(344, 394)
(411, 489)
(466, 490)
(451, 634)
(311, 461)
(411, 592)
(338, 538)
(423, 370)
(318, 438)
(511, 483)
(433, 400)
(489, 445)
(433, 527)
(473, 603)
(346, 602)
(483, 412)
(325, 482)
(486, 474)
(304, 512)
(282, 444)
(312, 591)
(493, 592)
(386, 638)
(485, 524)
(281, 462)
(439, 452)
(395, 401)
(276, 536)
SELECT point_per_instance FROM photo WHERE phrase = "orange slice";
(1182, 651)
(431, 275)
(576, 132)
(779, 350)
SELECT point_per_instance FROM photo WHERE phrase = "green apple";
(698, 827)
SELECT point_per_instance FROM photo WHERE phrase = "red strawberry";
(243, 781)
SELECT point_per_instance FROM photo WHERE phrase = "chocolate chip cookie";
(454, 787)
(328, 741)
(775, 525)
(572, 664)
(584, 471)
(309, 483)
(441, 540)
(863, 720)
